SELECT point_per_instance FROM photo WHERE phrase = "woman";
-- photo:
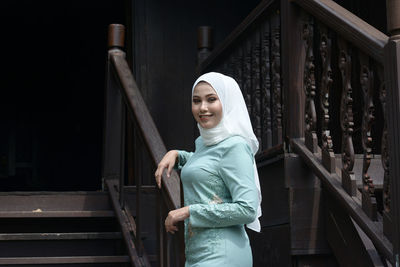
(220, 180)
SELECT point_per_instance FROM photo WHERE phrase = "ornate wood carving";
(387, 212)
(311, 140)
(328, 157)
(276, 80)
(266, 86)
(247, 75)
(367, 86)
(346, 120)
(238, 68)
(255, 82)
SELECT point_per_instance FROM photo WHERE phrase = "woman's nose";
(203, 106)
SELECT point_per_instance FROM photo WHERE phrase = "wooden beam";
(392, 76)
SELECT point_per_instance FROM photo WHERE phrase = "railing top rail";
(138, 110)
(247, 23)
(348, 25)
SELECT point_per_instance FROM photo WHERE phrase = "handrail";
(349, 26)
(138, 110)
(331, 182)
(237, 33)
(123, 99)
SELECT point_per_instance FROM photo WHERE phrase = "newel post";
(293, 56)
(392, 78)
(204, 43)
(114, 123)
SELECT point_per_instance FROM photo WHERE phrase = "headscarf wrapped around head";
(235, 121)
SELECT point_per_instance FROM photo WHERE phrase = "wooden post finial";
(116, 35)
(393, 17)
(204, 37)
(204, 42)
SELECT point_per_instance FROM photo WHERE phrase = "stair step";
(57, 214)
(64, 260)
(59, 236)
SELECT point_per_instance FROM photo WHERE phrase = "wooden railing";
(346, 67)
(320, 84)
(251, 55)
(126, 111)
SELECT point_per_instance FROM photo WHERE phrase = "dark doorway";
(52, 90)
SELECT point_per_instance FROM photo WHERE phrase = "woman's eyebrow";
(212, 94)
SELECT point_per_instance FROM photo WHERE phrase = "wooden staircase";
(54, 229)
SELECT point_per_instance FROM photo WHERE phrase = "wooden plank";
(348, 26)
(332, 183)
(54, 201)
(306, 208)
(60, 236)
(63, 260)
(56, 214)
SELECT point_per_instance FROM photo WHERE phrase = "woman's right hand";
(168, 162)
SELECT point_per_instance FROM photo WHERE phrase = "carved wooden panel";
(311, 140)
(276, 80)
(346, 119)
(255, 84)
(247, 75)
(367, 85)
(266, 86)
(328, 157)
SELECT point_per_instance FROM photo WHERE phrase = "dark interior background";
(52, 84)
(52, 80)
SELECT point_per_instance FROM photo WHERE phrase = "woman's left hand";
(175, 216)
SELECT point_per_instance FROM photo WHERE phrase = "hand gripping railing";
(123, 105)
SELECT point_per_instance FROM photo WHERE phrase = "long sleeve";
(236, 170)
(183, 157)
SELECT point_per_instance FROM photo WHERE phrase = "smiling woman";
(206, 106)
(219, 179)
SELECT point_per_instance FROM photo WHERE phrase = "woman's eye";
(212, 99)
(196, 101)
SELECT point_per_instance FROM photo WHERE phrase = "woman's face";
(206, 106)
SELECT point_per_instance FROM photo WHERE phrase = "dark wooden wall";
(165, 57)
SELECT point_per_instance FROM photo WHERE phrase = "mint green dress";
(219, 188)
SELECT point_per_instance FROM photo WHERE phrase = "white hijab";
(235, 121)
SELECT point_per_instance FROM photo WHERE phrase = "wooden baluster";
(387, 212)
(367, 85)
(247, 75)
(238, 66)
(266, 86)
(255, 85)
(346, 120)
(328, 157)
(311, 140)
(231, 65)
(277, 133)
